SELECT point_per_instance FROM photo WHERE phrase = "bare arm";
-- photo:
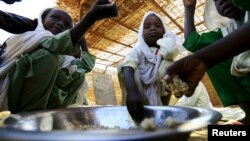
(130, 84)
(229, 46)
(189, 25)
(16, 24)
(192, 68)
(100, 9)
(134, 99)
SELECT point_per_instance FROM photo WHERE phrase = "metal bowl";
(106, 123)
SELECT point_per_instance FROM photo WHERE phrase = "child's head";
(56, 21)
(152, 29)
(227, 9)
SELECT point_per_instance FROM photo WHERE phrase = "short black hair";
(45, 13)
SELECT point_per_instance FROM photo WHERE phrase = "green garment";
(230, 89)
(242, 4)
(37, 83)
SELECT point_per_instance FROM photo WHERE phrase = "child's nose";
(152, 27)
(61, 24)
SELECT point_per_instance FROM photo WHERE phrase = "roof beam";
(113, 19)
(202, 22)
(198, 6)
(102, 64)
(104, 60)
(80, 10)
(120, 23)
(170, 17)
(110, 39)
(116, 62)
(107, 51)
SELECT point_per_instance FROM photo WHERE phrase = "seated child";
(44, 69)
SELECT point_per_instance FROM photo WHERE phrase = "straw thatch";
(111, 39)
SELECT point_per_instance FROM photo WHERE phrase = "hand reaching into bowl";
(135, 106)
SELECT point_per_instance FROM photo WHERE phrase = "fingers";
(30, 24)
(104, 9)
(178, 94)
(35, 23)
(190, 91)
(171, 71)
(136, 111)
(168, 78)
(110, 9)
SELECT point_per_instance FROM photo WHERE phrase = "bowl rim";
(209, 115)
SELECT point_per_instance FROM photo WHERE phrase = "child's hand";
(103, 9)
(189, 3)
(190, 69)
(16, 24)
(134, 102)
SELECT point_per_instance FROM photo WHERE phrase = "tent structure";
(111, 39)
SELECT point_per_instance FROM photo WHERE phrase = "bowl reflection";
(105, 123)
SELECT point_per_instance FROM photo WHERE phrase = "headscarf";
(144, 48)
(22, 43)
(17, 45)
(148, 68)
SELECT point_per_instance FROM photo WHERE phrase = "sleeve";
(80, 67)
(242, 4)
(61, 44)
(131, 60)
(196, 41)
(85, 63)
(70, 83)
(200, 98)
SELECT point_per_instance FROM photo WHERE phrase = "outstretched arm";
(134, 99)
(192, 68)
(100, 9)
(189, 27)
(229, 46)
(16, 24)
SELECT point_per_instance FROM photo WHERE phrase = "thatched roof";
(111, 39)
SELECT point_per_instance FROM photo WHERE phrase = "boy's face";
(227, 9)
(57, 21)
(152, 30)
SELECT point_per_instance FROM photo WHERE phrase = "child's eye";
(55, 18)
